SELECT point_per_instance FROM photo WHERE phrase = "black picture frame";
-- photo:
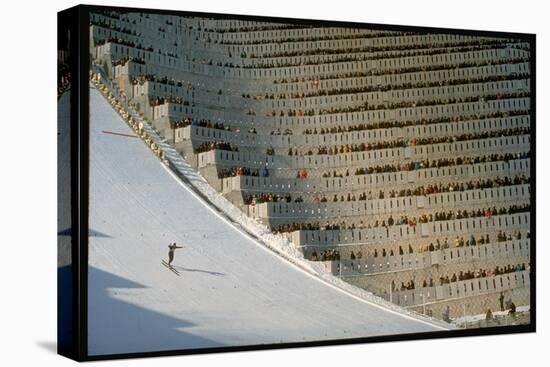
(73, 276)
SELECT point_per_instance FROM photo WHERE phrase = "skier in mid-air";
(172, 248)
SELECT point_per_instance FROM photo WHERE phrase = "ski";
(170, 267)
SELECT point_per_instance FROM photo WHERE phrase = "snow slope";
(232, 290)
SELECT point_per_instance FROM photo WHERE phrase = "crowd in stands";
(210, 125)
(417, 165)
(158, 101)
(389, 74)
(423, 190)
(407, 220)
(355, 57)
(462, 275)
(141, 79)
(271, 27)
(127, 43)
(111, 14)
(471, 136)
(278, 132)
(347, 148)
(472, 241)
(502, 236)
(188, 121)
(488, 43)
(451, 215)
(458, 242)
(402, 70)
(404, 123)
(123, 42)
(430, 46)
(457, 186)
(112, 26)
(238, 171)
(271, 198)
(219, 145)
(335, 174)
(401, 143)
(350, 148)
(437, 245)
(318, 92)
(403, 104)
(123, 60)
(440, 163)
(184, 122)
(325, 37)
(326, 255)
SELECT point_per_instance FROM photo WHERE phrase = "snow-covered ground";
(232, 291)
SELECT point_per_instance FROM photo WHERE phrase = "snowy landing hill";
(232, 290)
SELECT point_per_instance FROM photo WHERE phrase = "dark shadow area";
(49, 346)
(116, 326)
(64, 309)
(215, 273)
(65, 232)
(92, 233)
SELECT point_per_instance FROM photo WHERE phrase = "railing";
(459, 289)
(456, 227)
(353, 160)
(501, 196)
(372, 182)
(464, 72)
(242, 138)
(518, 249)
(435, 40)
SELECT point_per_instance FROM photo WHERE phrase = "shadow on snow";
(215, 273)
(117, 326)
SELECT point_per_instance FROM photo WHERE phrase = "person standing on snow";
(172, 248)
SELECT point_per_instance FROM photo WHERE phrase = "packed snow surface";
(232, 290)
